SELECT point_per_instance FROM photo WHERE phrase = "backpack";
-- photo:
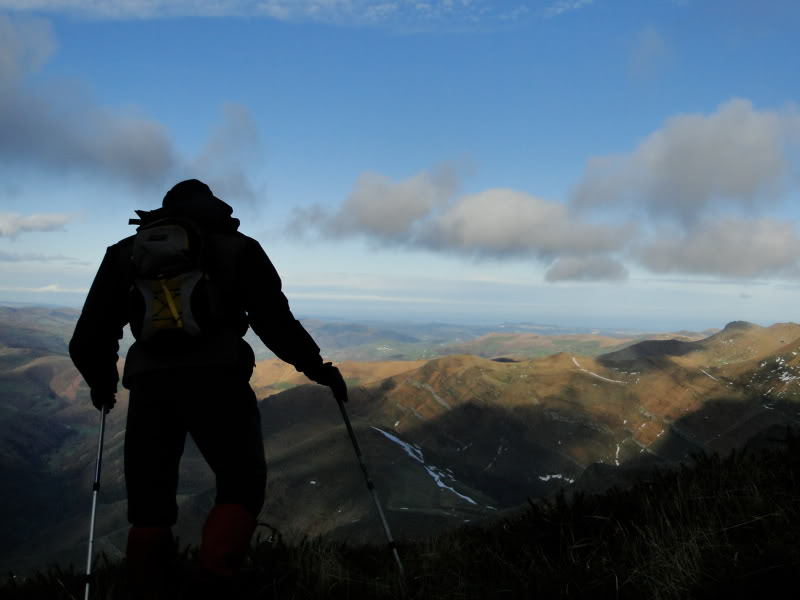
(170, 275)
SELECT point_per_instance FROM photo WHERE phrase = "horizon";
(573, 162)
(495, 325)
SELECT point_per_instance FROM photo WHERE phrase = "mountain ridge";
(449, 440)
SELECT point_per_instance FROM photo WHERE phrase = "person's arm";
(94, 345)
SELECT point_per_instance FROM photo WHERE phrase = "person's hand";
(103, 400)
(327, 374)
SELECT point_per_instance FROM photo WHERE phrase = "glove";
(103, 400)
(327, 374)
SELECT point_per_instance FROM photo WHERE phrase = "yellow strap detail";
(171, 301)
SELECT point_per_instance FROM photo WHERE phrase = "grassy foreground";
(720, 528)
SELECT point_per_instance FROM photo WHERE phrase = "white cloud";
(425, 212)
(384, 210)
(53, 288)
(591, 268)
(35, 257)
(233, 144)
(736, 156)
(12, 224)
(731, 247)
(504, 222)
(363, 12)
(24, 47)
(564, 6)
(697, 185)
(63, 129)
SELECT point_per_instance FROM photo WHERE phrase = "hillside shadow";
(525, 452)
(647, 355)
(720, 427)
(499, 456)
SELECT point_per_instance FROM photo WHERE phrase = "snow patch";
(412, 451)
(416, 453)
(438, 476)
(712, 377)
(577, 364)
(556, 476)
(433, 393)
(500, 451)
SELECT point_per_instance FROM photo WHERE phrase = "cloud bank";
(559, 7)
(506, 223)
(383, 210)
(425, 211)
(53, 288)
(733, 247)
(590, 268)
(736, 156)
(223, 162)
(683, 201)
(16, 257)
(12, 224)
(356, 12)
(59, 128)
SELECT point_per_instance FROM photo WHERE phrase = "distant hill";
(36, 330)
(737, 342)
(455, 439)
(531, 345)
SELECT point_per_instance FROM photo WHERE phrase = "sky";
(603, 163)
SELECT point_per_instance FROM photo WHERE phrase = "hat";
(195, 197)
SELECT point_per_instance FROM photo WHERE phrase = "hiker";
(189, 284)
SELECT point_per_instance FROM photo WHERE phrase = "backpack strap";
(171, 302)
(161, 300)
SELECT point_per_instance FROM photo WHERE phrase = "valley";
(449, 440)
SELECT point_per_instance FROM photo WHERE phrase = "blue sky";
(611, 163)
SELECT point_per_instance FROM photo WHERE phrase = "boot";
(150, 559)
(226, 538)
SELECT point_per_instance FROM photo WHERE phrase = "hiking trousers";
(221, 414)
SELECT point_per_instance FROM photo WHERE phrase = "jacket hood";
(193, 198)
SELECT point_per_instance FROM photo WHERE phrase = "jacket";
(251, 297)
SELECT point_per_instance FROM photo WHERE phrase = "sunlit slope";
(36, 331)
(739, 341)
(718, 391)
(459, 438)
(531, 345)
(272, 376)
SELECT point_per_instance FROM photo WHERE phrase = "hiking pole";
(95, 489)
(341, 398)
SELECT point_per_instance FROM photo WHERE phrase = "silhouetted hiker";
(189, 284)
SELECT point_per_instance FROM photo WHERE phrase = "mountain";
(529, 345)
(455, 439)
(273, 376)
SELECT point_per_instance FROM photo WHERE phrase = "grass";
(719, 528)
